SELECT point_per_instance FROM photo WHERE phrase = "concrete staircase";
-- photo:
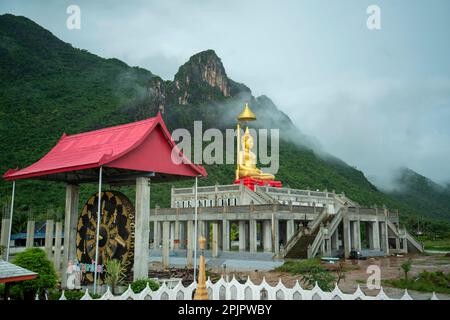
(297, 246)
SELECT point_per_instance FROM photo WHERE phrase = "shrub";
(139, 285)
(34, 259)
(310, 272)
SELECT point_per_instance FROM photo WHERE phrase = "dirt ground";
(357, 274)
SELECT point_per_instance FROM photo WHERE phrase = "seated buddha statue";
(247, 165)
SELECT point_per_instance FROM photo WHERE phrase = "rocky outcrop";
(202, 77)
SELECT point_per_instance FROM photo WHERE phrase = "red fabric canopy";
(140, 146)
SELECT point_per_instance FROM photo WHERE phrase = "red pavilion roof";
(139, 146)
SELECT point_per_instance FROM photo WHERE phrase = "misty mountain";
(48, 87)
(426, 196)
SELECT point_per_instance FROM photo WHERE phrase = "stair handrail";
(264, 195)
(312, 250)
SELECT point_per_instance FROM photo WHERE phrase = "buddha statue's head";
(247, 140)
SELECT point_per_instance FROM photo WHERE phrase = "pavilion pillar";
(356, 235)
(49, 226)
(242, 236)
(253, 236)
(225, 235)
(215, 239)
(267, 235)
(4, 235)
(30, 234)
(165, 245)
(58, 240)
(142, 228)
(190, 243)
(70, 229)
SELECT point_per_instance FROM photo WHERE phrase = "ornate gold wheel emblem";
(116, 233)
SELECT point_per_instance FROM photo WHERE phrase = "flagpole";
(99, 202)
(195, 228)
(10, 220)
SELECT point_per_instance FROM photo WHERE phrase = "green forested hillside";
(47, 87)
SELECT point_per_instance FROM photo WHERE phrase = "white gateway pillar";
(142, 228)
(70, 229)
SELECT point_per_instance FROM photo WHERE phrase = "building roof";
(10, 272)
(140, 147)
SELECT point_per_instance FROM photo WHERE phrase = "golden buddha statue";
(247, 164)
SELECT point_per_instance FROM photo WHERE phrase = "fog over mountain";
(379, 100)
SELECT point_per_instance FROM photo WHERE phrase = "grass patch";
(299, 266)
(439, 245)
(425, 282)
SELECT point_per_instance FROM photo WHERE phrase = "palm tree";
(406, 266)
(115, 274)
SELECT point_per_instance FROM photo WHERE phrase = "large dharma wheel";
(116, 234)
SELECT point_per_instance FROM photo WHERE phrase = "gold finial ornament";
(247, 114)
(201, 293)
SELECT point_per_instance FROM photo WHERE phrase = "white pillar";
(215, 239)
(346, 235)
(190, 243)
(267, 235)
(384, 238)
(142, 228)
(253, 236)
(165, 247)
(176, 238)
(49, 227)
(30, 234)
(242, 236)
(70, 229)
(376, 235)
(156, 235)
(5, 234)
(58, 237)
(276, 234)
(172, 236)
(225, 235)
(289, 229)
(356, 235)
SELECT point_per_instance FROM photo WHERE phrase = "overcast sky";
(377, 99)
